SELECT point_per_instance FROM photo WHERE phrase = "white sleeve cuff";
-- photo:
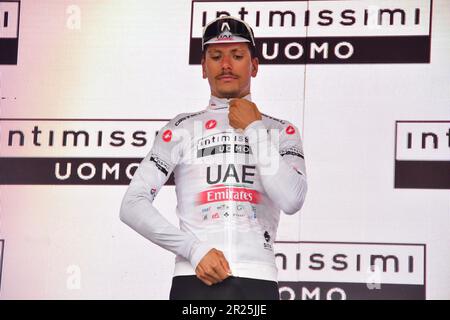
(198, 251)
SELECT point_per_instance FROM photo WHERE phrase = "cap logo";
(225, 24)
(229, 30)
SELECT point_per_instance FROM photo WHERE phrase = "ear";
(203, 68)
(255, 65)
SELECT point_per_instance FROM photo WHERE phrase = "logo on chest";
(230, 183)
(220, 143)
(230, 174)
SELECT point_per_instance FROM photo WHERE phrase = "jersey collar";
(221, 104)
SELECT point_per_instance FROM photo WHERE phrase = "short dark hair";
(251, 48)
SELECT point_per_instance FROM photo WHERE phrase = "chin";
(229, 94)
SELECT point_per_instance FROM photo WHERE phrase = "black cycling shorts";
(232, 288)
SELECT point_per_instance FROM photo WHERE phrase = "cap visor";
(233, 40)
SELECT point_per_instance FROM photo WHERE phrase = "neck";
(216, 103)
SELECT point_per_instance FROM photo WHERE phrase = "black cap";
(227, 29)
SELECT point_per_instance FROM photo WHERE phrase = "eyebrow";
(220, 51)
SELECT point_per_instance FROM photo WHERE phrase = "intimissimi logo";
(9, 31)
(74, 151)
(346, 31)
(351, 270)
(422, 154)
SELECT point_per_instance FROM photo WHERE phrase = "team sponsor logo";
(221, 143)
(210, 124)
(167, 135)
(267, 244)
(153, 192)
(292, 151)
(230, 174)
(215, 216)
(266, 236)
(162, 165)
(222, 207)
(9, 32)
(422, 154)
(220, 194)
(177, 123)
(225, 36)
(326, 32)
(239, 214)
(73, 151)
(344, 270)
(224, 148)
(290, 130)
(274, 119)
(205, 212)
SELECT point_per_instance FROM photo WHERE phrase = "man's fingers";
(232, 110)
(232, 115)
(205, 281)
(213, 268)
(221, 271)
(233, 101)
(225, 265)
(204, 276)
(214, 274)
(233, 120)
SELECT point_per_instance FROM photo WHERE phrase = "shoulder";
(272, 121)
(182, 119)
(287, 130)
(178, 128)
(280, 124)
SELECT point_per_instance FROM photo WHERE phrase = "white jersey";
(230, 186)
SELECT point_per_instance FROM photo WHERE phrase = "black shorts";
(232, 288)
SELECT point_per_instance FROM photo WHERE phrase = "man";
(234, 169)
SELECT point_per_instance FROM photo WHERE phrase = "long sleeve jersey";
(230, 186)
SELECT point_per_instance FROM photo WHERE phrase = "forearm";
(138, 212)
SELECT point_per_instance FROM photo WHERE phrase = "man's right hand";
(213, 267)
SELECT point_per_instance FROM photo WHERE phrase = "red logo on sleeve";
(167, 136)
(210, 124)
(290, 130)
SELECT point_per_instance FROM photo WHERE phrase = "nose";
(226, 63)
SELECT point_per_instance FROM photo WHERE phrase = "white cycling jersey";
(230, 186)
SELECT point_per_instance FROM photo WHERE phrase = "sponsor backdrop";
(85, 86)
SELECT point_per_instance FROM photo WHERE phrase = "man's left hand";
(242, 112)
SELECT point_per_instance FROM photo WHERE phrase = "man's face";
(229, 68)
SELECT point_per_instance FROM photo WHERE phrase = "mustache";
(226, 75)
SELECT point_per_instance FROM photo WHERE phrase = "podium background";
(125, 66)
